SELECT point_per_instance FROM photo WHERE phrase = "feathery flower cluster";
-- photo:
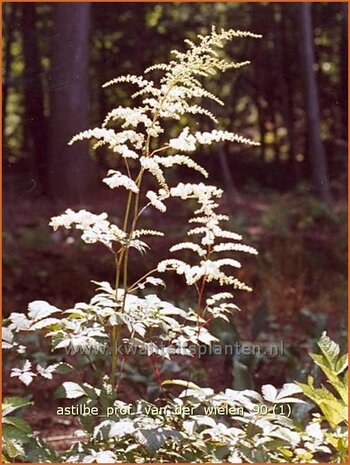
(185, 142)
(156, 201)
(224, 247)
(208, 269)
(207, 138)
(115, 141)
(171, 98)
(96, 228)
(153, 167)
(199, 191)
(116, 179)
(130, 78)
(82, 219)
(220, 296)
(132, 117)
(188, 142)
(146, 232)
(191, 246)
(172, 160)
(202, 59)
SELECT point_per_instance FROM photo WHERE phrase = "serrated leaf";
(46, 322)
(26, 377)
(105, 456)
(13, 432)
(63, 368)
(329, 349)
(7, 336)
(11, 404)
(341, 364)
(153, 439)
(40, 309)
(71, 390)
(334, 412)
(19, 321)
(271, 394)
(18, 423)
(12, 447)
(121, 428)
(47, 372)
(205, 337)
(104, 286)
(41, 452)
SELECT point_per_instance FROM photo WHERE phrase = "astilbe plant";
(120, 314)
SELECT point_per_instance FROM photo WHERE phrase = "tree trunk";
(9, 13)
(230, 189)
(344, 71)
(288, 93)
(316, 149)
(35, 121)
(259, 26)
(71, 172)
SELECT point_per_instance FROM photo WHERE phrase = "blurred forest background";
(288, 197)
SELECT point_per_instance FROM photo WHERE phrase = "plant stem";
(122, 261)
(116, 329)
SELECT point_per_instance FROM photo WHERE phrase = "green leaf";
(121, 428)
(316, 394)
(45, 323)
(11, 404)
(18, 423)
(70, 390)
(242, 378)
(37, 451)
(40, 309)
(334, 412)
(329, 349)
(332, 408)
(10, 431)
(12, 447)
(341, 364)
(226, 332)
(63, 368)
(153, 439)
(222, 452)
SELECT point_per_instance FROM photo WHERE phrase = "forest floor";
(298, 279)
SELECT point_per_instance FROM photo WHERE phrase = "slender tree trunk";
(103, 76)
(71, 172)
(288, 103)
(316, 149)
(35, 120)
(274, 90)
(258, 26)
(230, 189)
(344, 71)
(9, 13)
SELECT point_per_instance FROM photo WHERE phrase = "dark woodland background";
(287, 197)
(293, 98)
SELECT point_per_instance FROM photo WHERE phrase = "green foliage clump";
(332, 402)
